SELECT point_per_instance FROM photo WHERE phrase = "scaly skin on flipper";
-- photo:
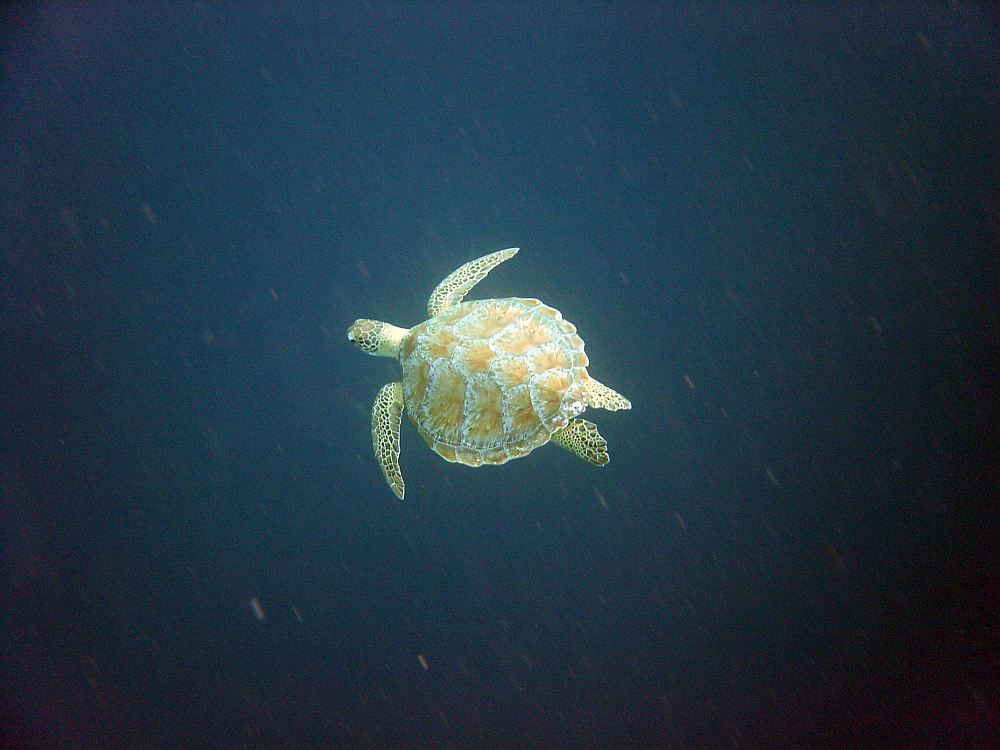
(601, 397)
(457, 284)
(386, 416)
(582, 439)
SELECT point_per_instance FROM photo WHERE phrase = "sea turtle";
(485, 381)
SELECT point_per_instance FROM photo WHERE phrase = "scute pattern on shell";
(491, 380)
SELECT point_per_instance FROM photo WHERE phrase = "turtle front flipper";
(386, 416)
(582, 439)
(457, 284)
(601, 397)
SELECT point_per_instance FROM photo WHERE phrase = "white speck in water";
(257, 609)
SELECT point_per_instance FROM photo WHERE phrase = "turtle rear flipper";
(601, 397)
(582, 439)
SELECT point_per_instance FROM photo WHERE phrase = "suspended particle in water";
(601, 500)
(257, 609)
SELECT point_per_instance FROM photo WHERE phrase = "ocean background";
(776, 228)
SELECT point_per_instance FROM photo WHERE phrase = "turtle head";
(377, 338)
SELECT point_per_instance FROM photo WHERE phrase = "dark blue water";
(775, 228)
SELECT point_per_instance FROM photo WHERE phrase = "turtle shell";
(491, 380)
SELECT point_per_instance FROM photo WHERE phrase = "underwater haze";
(775, 226)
